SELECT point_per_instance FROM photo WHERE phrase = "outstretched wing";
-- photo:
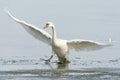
(34, 31)
(85, 45)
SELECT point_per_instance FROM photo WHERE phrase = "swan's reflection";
(61, 69)
(64, 66)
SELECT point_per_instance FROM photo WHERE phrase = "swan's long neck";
(54, 38)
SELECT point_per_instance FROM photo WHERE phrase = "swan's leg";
(48, 60)
(64, 59)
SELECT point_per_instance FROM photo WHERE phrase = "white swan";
(59, 47)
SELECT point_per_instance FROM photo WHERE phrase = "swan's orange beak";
(46, 26)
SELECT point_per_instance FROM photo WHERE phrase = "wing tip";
(6, 10)
(11, 16)
(110, 40)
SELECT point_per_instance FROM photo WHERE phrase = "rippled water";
(93, 74)
(37, 69)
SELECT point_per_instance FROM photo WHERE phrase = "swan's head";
(48, 25)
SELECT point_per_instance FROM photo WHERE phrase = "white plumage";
(59, 47)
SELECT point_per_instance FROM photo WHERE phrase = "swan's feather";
(85, 45)
(34, 31)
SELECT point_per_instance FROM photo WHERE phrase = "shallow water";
(58, 74)
(92, 74)
(37, 69)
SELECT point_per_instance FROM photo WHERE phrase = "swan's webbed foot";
(48, 60)
(60, 62)
(63, 62)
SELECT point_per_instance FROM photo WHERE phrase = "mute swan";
(59, 47)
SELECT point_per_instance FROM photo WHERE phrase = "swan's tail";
(110, 40)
